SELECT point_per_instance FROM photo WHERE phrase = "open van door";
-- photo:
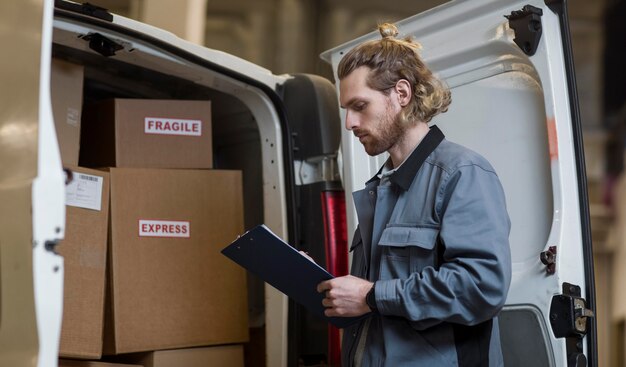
(509, 66)
(32, 191)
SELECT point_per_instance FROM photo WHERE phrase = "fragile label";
(169, 126)
(85, 191)
(163, 228)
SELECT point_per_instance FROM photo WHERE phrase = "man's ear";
(404, 92)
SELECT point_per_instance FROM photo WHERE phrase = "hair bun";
(388, 30)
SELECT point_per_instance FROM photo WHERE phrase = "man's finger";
(323, 286)
(327, 302)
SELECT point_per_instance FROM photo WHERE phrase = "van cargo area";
(249, 133)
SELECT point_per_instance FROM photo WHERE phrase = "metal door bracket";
(526, 24)
(548, 258)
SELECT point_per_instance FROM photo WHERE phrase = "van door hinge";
(548, 258)
(569, 318)
(319, 169)
(526, 24)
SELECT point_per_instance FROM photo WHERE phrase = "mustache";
(359, 132)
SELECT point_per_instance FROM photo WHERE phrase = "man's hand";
(345, 296)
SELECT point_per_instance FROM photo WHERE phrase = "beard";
(389, 132)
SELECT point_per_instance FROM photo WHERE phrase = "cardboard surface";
(147, 133)
(176, 290)
(66, 92)
(84, 251)
(222, 356)
(74, 363)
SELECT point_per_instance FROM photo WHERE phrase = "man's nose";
(351, 120)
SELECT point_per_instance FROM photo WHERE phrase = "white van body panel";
(31, 273)
(514, 110)
(48, 214)
(132, 46)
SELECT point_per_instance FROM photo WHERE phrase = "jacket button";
(372, 193)
(354, 334)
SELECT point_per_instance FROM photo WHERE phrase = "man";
(431, 261)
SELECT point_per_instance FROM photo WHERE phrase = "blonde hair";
(390, 60)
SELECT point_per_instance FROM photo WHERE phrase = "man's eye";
(360, 106)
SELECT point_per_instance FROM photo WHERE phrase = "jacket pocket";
(406, 250)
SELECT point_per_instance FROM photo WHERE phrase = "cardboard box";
(171, 286)
(84, 251)
(66, 91)
(146, 133)
(73, 363)
(218, 356)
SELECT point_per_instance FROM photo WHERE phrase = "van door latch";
(102, 45)
(569, 312)
(569, 318)
(526, 24)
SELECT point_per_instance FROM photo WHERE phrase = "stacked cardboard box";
(223, 356)
(84, 250)
(85, 245)
(170, 286)
(148, 225)
(147, 134)
(74, 363)
(66, 91)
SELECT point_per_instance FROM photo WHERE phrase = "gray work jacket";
(436, 243)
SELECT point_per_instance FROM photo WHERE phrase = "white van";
(509, 65)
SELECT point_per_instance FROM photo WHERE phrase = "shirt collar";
(404, 174)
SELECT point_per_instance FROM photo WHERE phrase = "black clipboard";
(274, 261)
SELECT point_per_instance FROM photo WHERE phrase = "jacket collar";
(405, 174)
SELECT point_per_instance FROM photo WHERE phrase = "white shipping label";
(85, 191)
(169, 126)
(164, 228)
